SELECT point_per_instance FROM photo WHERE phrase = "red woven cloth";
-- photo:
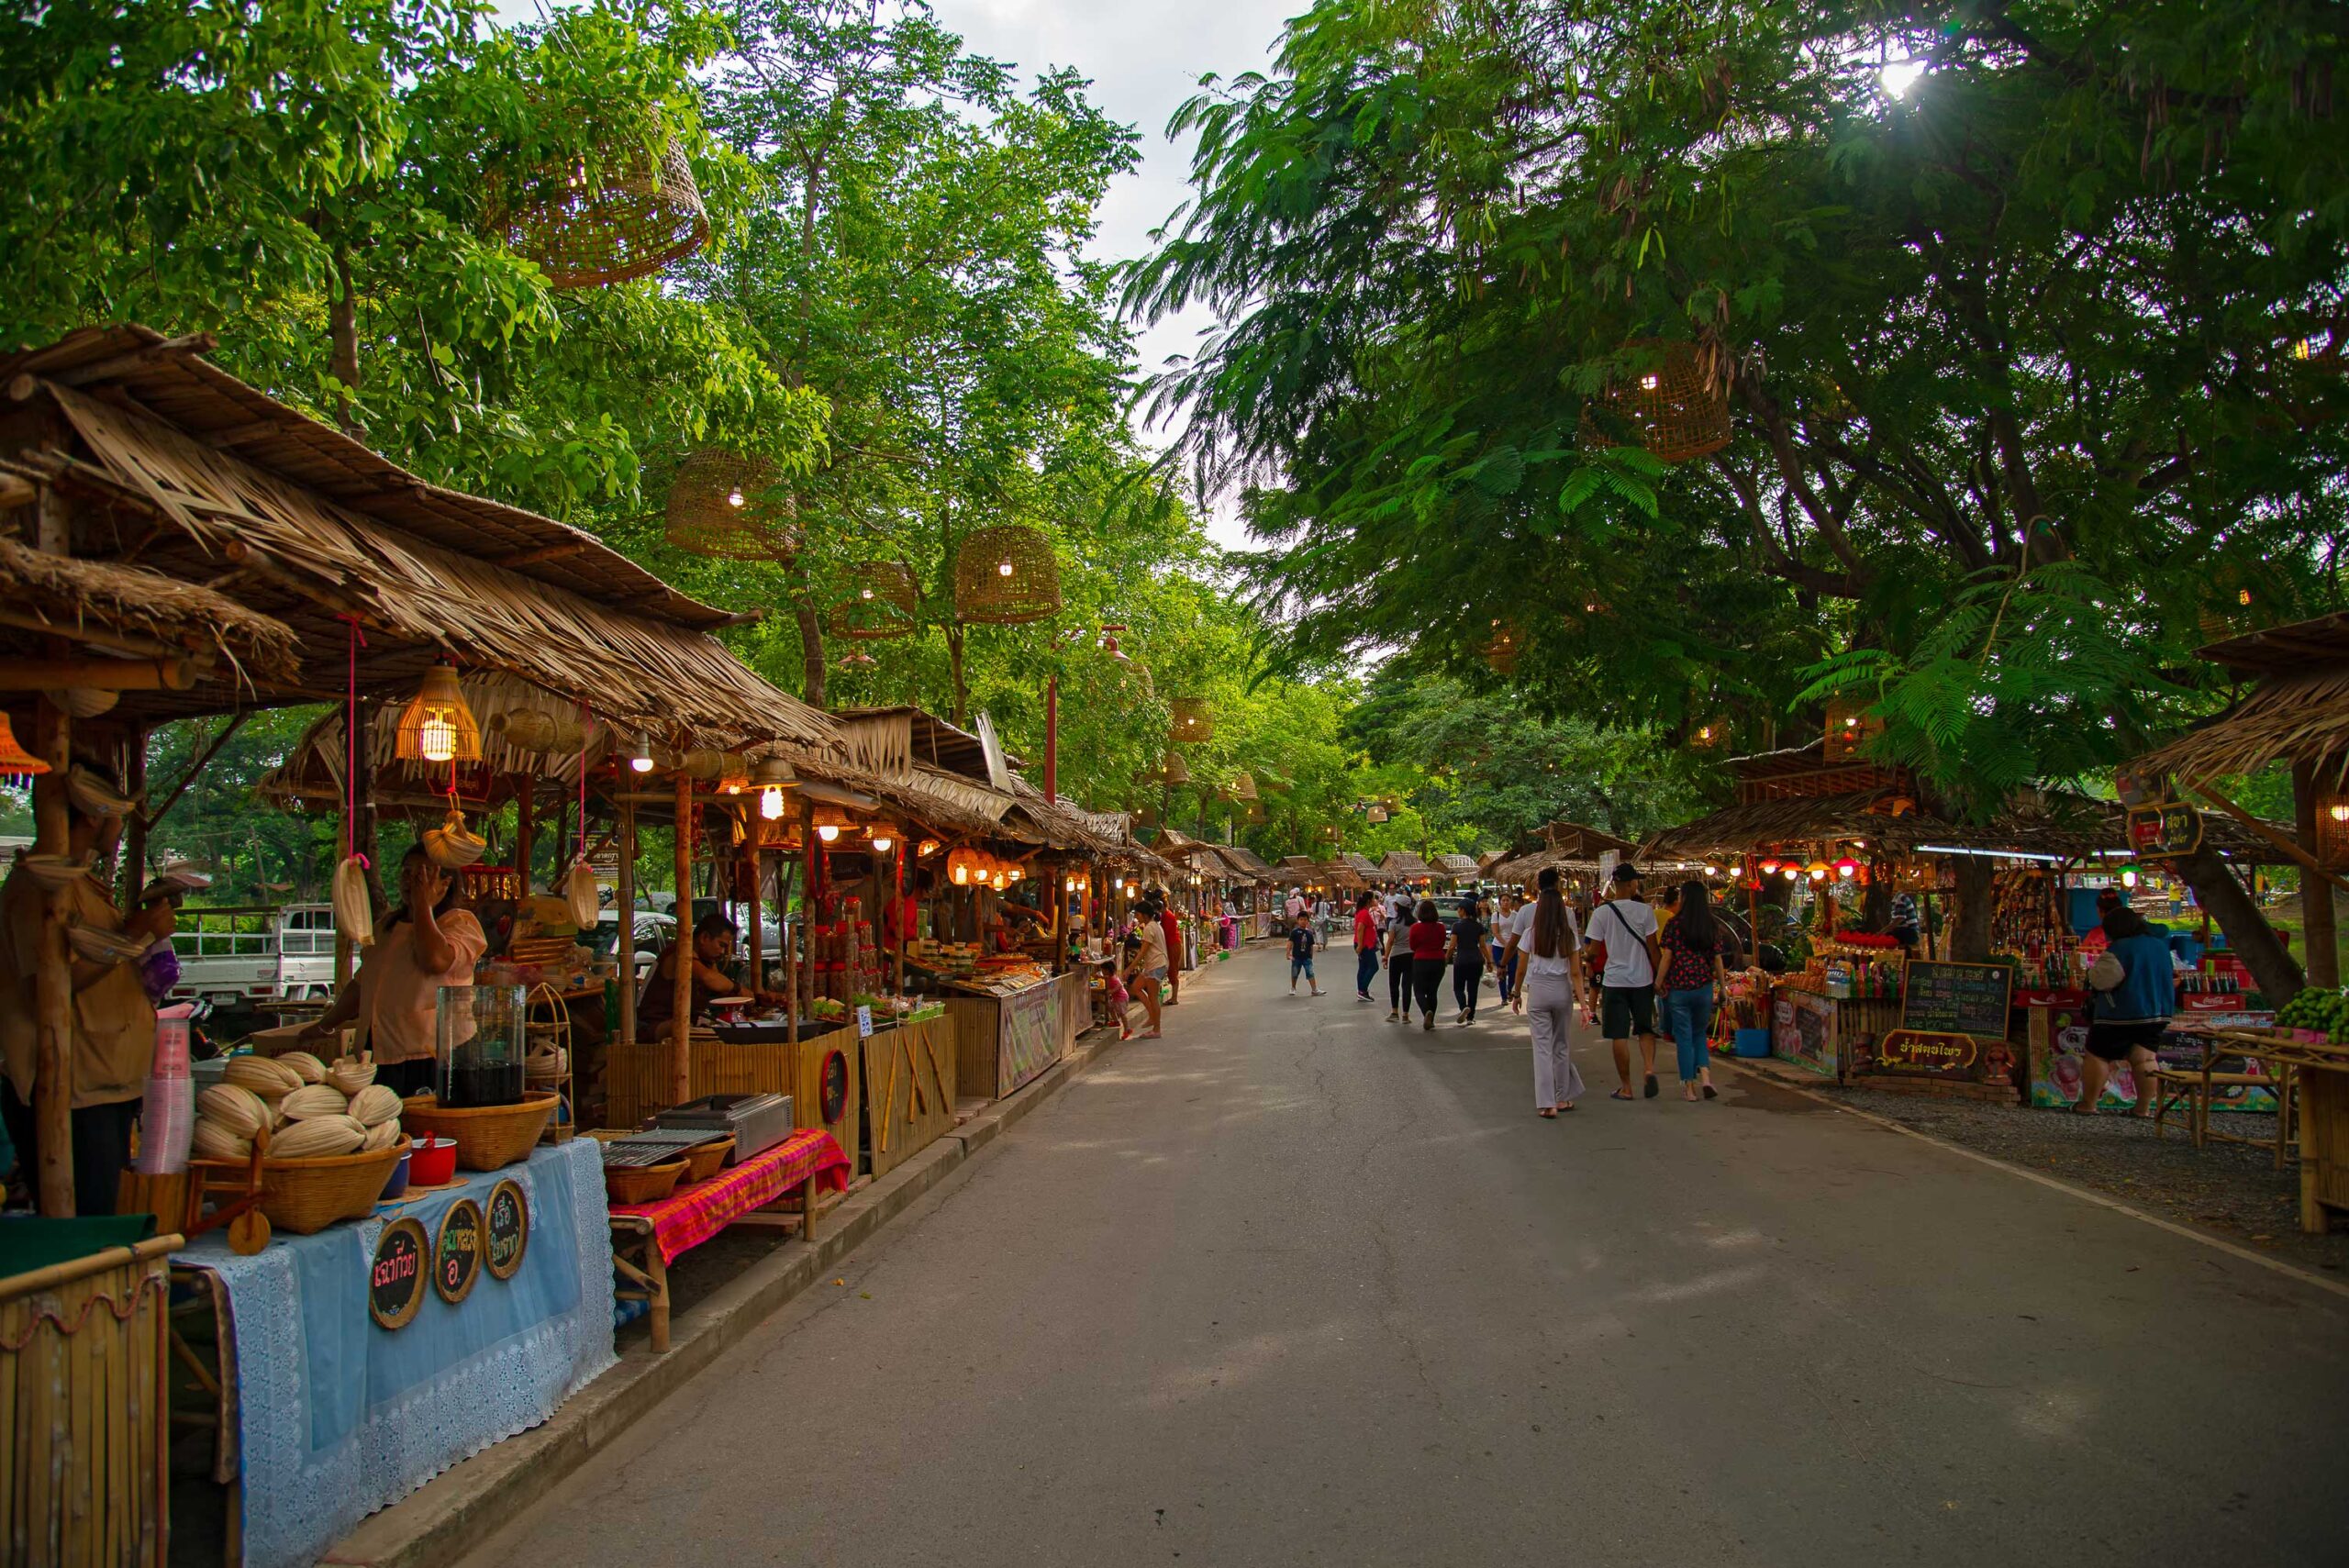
(694, 1215)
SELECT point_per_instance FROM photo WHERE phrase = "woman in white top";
(1146, 965)
(427, 943)
(1542, 940)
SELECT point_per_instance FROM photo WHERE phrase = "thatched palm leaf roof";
(74, 596)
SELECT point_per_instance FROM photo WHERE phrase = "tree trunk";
(811, 653)
(2321, 954)
(1969, 920)
(954, 662)
(2248, 933)
(342, 334)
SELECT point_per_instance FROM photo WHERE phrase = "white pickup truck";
(259, 953)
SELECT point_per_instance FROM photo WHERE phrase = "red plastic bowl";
(432, 1162)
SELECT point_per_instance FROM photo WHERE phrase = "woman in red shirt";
(1430, 953)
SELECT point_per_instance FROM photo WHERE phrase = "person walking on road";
(1468, 933)
(1170, 926)
(1505, 908)
(1623, 929)
(1398, 960)
(1430, 951)
(1690, 948)
(1541, 941)
(2135, 995)
(1366, 941)
(1300, 956)
(1146, 965)
(1321, 919)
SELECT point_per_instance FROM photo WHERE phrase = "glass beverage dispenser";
(478, 1035)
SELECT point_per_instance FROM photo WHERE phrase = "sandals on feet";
(1649, 1088)
(1621, 1094)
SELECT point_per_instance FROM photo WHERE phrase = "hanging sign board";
(2169, 827)
(509, 1229)
(396, 1279)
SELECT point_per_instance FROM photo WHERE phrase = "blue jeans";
(1500, 971)
(1365, 969)
(1688, 1015)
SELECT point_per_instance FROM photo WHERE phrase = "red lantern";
(1770, 865)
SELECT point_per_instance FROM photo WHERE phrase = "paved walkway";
(1298, 1285)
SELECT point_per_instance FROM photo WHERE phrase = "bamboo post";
(525, 822)
(2321, 962)
(758, 945)
(897, 914)
(807, 895)
(624, 894)
(790, 946)
(681, 1028)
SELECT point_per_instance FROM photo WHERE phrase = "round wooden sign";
(457, 1255)
(396, 1281)
(833, 1101)
(509, 1228)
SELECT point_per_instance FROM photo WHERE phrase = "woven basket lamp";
(1174, 771)
(883, 606)
(1243, 787)
(631, 219)
(1849, 729)
(437, 726)
(1193, 723)
(1676, 407)
(1502, 649)
(1004, 576)
(16, 762)
(1709, 736)
(720, 506)
(2332, 830)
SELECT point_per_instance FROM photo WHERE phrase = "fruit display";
(2325, 1011)
(306, 1117)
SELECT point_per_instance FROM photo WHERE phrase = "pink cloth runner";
(692, 1215)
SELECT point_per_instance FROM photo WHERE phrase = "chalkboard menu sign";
(1956, 999)
(509, 1229)
(456, 1256)
(396, 1279)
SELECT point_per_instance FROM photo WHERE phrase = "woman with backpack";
(1691, 943)
(2135, 993)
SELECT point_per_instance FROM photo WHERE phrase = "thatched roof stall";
(1250, 864)
(1457, 868)
(2297, 709)
(1402, 866)
(1569, 846)
(172, 464)
(132, 612)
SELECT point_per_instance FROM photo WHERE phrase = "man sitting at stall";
(113, 1040)
(713, 944)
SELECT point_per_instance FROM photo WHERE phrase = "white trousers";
(1549, 1008)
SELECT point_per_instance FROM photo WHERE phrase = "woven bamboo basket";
(884, 604)
(1004, 576)
(641, 1184)
(703, 1161)
(722, 505)
(1193, 721)
(487, 1137)
(1850, 728)
(1676, 401)
(1174, 770)
(1709, 735)
(629, 218)
(1502, 649)
(305, 1197)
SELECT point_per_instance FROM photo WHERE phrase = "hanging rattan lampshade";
(1192, 722)
(1849, 729)
(1174, 770)
(1502, 648)
(1675, 403)
(1243, 787)
(16, 762)
(721, 505)
(882, 604)
(437, 726)
(1004, 576)
(628, 218)
(1711, 735)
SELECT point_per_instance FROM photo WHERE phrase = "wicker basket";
(1006, 575)
(722, 505)
(1192, 722)
(305, 1197)
(886, 604)
(628, 219)
(1676, 401)
(641, 1184)
(488, 1137)
(703, 1161)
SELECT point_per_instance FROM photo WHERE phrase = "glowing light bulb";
(436, 741)
(1003, 568)
(640, 760)
(881, 842)
(2338, 811)
(2128, 879)
(2242, 596)
(828, 831)
(734, 497)
(864, 594)
(771, 803)
(1650, 381)
(1792, 873)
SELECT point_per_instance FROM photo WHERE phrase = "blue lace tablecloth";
(339, 1418)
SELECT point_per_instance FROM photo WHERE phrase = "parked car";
(653, 931)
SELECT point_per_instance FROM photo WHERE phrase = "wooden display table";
(822, 1072)
(2320, 1073)
(648, 1237)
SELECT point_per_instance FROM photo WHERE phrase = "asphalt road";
(1298, 1285)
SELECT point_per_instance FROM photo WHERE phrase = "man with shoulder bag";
(1621, 947)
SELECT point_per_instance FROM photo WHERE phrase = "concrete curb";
(462, 1508)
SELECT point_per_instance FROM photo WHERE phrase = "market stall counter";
(1012, 1017)
(359, 1362)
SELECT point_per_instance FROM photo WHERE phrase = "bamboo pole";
(625, 894)
(790, 944)
(807, 895)
(681, 1027)
(758, 945)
